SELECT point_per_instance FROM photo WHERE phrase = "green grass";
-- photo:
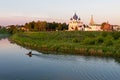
(75, 42)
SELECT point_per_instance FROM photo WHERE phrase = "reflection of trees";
(54, 57)
(4, 36)
(117, 60)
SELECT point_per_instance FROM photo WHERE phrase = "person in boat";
(30, 54)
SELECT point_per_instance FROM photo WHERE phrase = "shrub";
(116, 35)
(117, 44)
(89, 41)
(109, 37)
(99, 40)
(75, 40)
(90, 34)
(108, 42)
(104, 34)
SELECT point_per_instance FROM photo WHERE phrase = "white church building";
(76, 24)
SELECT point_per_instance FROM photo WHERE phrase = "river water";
(16, 65)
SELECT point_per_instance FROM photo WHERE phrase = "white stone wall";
(93, 28)
(75, 24)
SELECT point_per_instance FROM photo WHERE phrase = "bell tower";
(91, 21)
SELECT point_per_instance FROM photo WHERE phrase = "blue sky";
(21, 11)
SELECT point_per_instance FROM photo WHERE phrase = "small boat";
(29, 54)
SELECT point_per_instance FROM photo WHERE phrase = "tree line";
(45, 26)
(34, 26)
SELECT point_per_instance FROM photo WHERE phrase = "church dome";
(75, 17)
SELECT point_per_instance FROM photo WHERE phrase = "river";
(16, 65)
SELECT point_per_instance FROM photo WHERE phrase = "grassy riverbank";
(83, 43)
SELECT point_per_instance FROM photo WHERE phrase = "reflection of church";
(75, 24)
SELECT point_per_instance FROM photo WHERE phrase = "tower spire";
(91, 20)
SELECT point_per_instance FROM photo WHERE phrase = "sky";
(22, 11)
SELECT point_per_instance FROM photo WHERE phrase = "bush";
(109, 42)
(116, 35)
(104, 34)
(99, 40)
(117, 44)
(75, 40)
(89, 41)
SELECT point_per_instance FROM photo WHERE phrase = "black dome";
(75, 17)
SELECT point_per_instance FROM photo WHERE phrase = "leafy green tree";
(12, 29)
(32, 25)
(3, 30)
(45, 26)
(59, 27)
(64, 26)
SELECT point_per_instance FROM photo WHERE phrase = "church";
(75, 24)
(93, 26)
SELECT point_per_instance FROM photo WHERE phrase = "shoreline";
(54, 46)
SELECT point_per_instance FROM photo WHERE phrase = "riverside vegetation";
(74, 42)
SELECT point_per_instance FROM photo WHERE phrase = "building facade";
(116, 27)
(93, 26)
(75, 24)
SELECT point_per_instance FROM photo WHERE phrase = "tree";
(59, 27)
(64, 26)
(103, 24)
(12, 29)
(106, 27)
(43, 25)
(32, 25)
(3, 30)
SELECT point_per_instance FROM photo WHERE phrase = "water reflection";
(70, 57)
(15, 64)
(117, 60)
(4, 36)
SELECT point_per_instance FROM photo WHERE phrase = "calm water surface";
(16, 65)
